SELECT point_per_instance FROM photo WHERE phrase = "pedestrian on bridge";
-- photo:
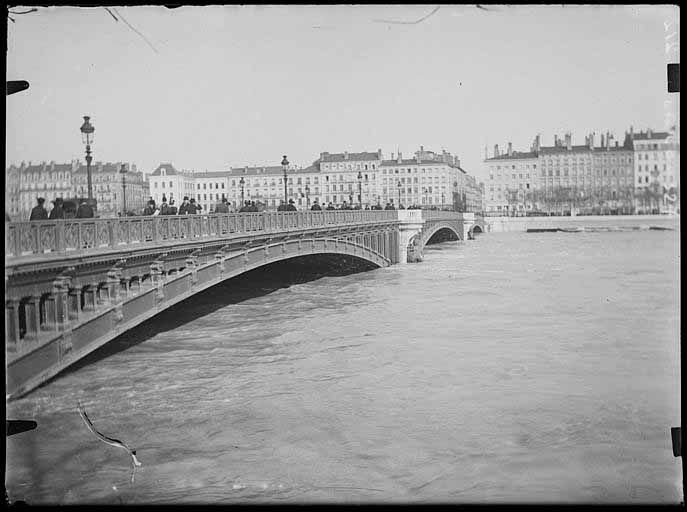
(316, 206)
(291, 207)
(183, 209)
(38, 212)
(330, 206)
(57, 211)
(84, 211)
(252, 207)
(193, 207)
(389, 206)
(222, 206)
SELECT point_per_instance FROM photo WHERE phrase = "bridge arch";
(125, 309)
(441, 228)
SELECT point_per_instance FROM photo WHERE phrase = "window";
(163, 184)
(155, 184)
(170, 184)
(216, 185)
(205, 186)
(222, 187)
(199, 185)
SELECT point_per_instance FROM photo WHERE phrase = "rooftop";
(350, 157)
(650, 136)
(515, 155)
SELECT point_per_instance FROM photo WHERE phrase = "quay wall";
(507, 224)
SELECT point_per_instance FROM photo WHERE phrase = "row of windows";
(358, 167)
(412, 171)
(513, 176)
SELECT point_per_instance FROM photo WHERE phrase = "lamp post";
(398, 186)
(285, 166)
(87, 130)
(442, 200)
(360, 189)
(307, 195)
(242, 182)
(123, 172)
(424, 191)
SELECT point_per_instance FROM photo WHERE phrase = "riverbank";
(621, 222)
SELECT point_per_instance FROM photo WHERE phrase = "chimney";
(457, 162)
(590, 141)
(555, 140)
(392, 155)
(418, 158)
(568, 141)
(322, 157)
(496, 150)
(399, 158)
(486, 152)
(379, 154)
(648, 133)
(422, 148)
(616, 143)
(603, 142)
(345, 155)
(632, 132)
(510, 149)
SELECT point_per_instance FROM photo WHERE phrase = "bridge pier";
(12, 323)
(32, 312)
(410, 226)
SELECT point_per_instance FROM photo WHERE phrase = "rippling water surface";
(534, 367)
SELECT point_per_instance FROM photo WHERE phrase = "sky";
(211, 87)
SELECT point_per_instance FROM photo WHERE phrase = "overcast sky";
(239, 85)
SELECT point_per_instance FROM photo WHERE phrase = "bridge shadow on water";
(252, 284)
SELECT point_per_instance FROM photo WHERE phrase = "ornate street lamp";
(87, 130)
(123, 172)
(442, 200)
(360, 189)
(307, 195)
(424, 190)
(285, 166)
(242, 182)
(398, 185)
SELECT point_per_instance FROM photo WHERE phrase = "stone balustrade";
(76, 236)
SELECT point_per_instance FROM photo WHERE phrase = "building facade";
(167, 181)
(608, 178)
(106, 183)
(24, 184)
(510, 180)
(656, 170)
(27, 182)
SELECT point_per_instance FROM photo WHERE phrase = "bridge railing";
(442, 215)
(65, 236)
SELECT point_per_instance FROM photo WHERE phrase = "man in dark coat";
(316, 206)
(38, 212)
(222, 206)
(291, 207)
(389, 206)
(253, 207)
(183, 209)
(57, 211)
(330, 206)
(193, 207)
(84, 211)
(172, 207)
(281, 207)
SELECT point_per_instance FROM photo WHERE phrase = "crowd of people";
(188, 207)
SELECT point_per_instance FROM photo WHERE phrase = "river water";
(518, 367)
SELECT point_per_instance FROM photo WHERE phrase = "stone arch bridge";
(73, 285)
